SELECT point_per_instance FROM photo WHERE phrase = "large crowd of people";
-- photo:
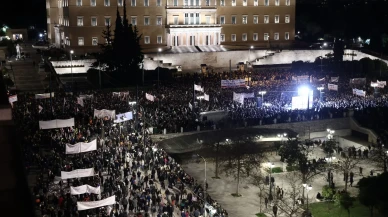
(129, 164)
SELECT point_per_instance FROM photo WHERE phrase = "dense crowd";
(128, 164)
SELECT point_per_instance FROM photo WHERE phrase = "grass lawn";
(261, 215)
(327, 209)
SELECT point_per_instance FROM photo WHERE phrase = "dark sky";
(22, 13)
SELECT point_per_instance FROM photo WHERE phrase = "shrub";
(261, 215)
(327, 192)
(277, 170)
(291, 168)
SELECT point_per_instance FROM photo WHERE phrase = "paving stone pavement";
(248, 204)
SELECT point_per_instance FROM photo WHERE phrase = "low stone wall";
(219, 60)
(79, 66)
(372, 136)
(307, 128)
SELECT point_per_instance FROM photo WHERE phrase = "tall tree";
(105, 60)
(244, 157)
(345, 166)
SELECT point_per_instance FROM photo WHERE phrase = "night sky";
(23, 13)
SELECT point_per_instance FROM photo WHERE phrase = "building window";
(107, 21)
(255, 19)
(146, 39)
(276, 36)
(234, 20)
(159, 21)
(187, 18)
(196, 2)
(120, 3)
(134, 21)
(106, 3)
(176, 19)
(222, 20)
(78, 3)
(133, 3)
(266, 36)
(186, 3)
(287, 19)
(266, 19)
(244, 2)
(94, 41)
(207, 20)
(159, 39)
(146, 21)
(244, 19)
(80, 21)
(146, 3)
(158, 3)
(175, 3)
(222, 2)
(222, 37)
(276, 18)
(80, 41)
(255, 2)
(287, 36)
(266, 2)
(94, 21)
(255, 36)
(197, 19)
(288, 2)
(93, 3)
(244, 37)
(277, 2)
(233, 2)
(233, 37)
(207, 2)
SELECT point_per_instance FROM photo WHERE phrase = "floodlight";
(303, 91)
(160, 49)
(71, 51)
(251, 47)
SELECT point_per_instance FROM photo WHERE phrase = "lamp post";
(249, 55)
(270, 165)
(262, 97)
(308, 188)
(320, 93)
(204, 195)
(159, 50)
(374, 85)
(71, 68)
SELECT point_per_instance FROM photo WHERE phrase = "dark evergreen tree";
(338, 50)
(105, 58)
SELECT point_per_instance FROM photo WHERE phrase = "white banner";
(44, 95)
(233, 83)
(150, 97)
(80, 173)
(86, 96)
(80, 101)
(358, 81)
(301, 78)
(332, 87)
(95, 204)
(334, 79)
(239, 97)
(13, 98)
(206, 97)
(81, 147)
(58, 123)
(123, 117)
(105, 113)
(359, 92)
(198, 88)
(83, 189)
(382, 82)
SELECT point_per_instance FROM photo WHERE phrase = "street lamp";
(308, 188)
(270, 165)
(71, 68)
(204, 195)
(320, 93)
(249, 55)
(159, 50)
(262, 95)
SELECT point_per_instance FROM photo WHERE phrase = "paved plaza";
(248, 204)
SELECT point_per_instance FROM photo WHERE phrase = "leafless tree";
(345, 165)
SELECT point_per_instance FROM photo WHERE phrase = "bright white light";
(303, 91)
(160, 49)
(320, 88)
(373, 84)
(40, 35)
(251, 47)
(298, 32)
(262, 92)
(285, 134)
(71, 51)
(325, 44)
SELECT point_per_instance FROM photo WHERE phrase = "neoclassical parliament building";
(78, 24)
